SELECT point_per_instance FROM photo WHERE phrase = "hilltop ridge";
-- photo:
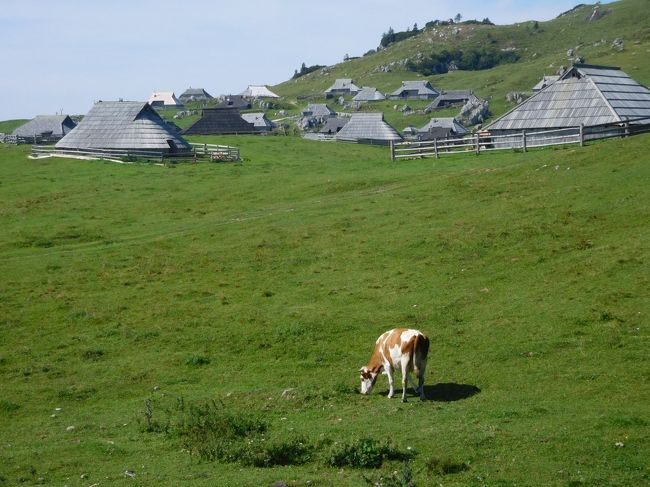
(615, 34)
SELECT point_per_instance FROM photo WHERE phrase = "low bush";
(445, 466)
(365, 453)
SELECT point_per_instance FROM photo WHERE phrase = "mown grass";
(263, 285)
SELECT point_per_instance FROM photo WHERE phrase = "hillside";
(134, 295)
(542, 49)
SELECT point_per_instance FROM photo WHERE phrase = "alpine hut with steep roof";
(440, 128)
(451, 98)
(368, 93)
(414, 90)
(195, 94)
(343, 86)
(124, 125)
(164, 99)
(45, 128)
(235, 101)
(220, 121)
(259, 121)
(258, 91)
(368, 128)
(585, 95)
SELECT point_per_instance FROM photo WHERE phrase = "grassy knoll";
(263, 285)
(542, 48)
(8, 126)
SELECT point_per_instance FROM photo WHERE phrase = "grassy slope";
(542, 52)
(528, 271)
(8, 126)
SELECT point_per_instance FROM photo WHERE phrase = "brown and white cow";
(401, 349)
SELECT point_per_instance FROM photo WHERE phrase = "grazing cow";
(397, 349)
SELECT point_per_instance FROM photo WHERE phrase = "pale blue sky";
(66, 54)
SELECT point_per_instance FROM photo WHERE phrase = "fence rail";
(217, 152)
(524, 140)
(214, 152)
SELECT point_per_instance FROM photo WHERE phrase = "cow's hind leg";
(412, 382)
(421, 382)
(404, 381)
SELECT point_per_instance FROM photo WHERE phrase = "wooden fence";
(214, 152)
(524, 140)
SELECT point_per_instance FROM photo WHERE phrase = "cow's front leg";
(391, 385)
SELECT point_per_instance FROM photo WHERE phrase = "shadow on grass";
(450, 391)
(447, 392)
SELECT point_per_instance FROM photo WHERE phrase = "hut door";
(172, 145)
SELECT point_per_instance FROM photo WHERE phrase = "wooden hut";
(258, 91)
(164, 99)
(195, 94)
(235, 101)
(45, 128)
(220, 121)
(368, 93)
(414, 90)
(368, 128)
(343, 86)
(585, 95)
(259, 121)
(124, 125)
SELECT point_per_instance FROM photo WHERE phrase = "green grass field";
(263, 286)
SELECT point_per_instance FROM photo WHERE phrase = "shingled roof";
(368, 93)
(259, 121)
(368, 127)
(195, 94)
(258, 91)
(343, 85)
(451, 97)
(164, 99)
(585, 94)
(46, 125)
(414, 89)
(220, 121)
(544, 82)
(448, 123)
(123, 125)
(234, 101)
(318, 110)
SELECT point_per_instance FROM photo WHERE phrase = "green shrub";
(8, 406)
(365, 453)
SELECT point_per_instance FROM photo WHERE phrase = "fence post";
(392, 150)
(478, 147)
(523, 136)
(435, 148)
(627, 128)
(582, 135)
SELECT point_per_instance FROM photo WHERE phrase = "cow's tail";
(420, 352)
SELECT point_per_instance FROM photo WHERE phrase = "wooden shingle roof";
(368, 127)
(122, 125)
(589, 95)
(220, 121)
(46, 125)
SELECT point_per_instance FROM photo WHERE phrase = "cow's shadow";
(447, 392)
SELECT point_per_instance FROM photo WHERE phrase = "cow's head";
(368, 379)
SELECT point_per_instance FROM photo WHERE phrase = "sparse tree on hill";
(458, 18)
(415, 27)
